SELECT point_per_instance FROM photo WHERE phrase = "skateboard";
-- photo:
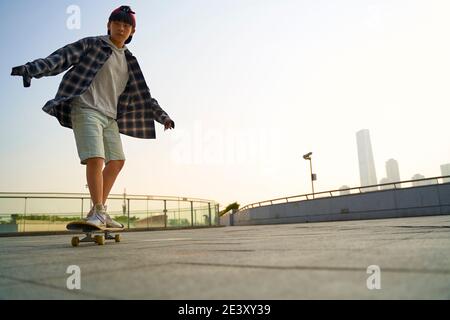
(93, 233)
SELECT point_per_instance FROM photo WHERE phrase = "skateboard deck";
(93, 233)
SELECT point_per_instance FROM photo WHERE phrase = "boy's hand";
(22, 71)
(169, 124)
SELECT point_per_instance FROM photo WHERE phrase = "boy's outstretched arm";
(161, 116)
(59, 61)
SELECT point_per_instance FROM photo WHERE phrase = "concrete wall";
(408, 202)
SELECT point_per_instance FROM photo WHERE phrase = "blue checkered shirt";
(136, 109)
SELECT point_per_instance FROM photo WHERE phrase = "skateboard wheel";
(75, 241)
(117, 237)
(100, 240)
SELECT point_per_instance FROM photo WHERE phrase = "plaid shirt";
(136, 109)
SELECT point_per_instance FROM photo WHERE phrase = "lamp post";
(313, 176)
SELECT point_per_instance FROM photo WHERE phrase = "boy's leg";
(114, 156)
(88, 127)
(110, 174)
(95, 179)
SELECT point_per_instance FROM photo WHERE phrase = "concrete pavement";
(292, 261)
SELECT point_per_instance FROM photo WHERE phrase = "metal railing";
(39, 211)
(350, 191)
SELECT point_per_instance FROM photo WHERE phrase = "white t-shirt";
(108, 84)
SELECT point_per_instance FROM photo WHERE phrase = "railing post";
(192, 213)
(209, 213)
(147, 214)
(439, 199)
(165, 214)
(24, 215)
(82, 207)
(217, 214)
(128, 209)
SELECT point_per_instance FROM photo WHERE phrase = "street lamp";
(313, 176)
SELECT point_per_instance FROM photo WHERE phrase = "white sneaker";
(110, 223)
(97, 216)
(90, 213)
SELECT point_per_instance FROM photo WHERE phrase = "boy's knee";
(117, 164)
(95, 161)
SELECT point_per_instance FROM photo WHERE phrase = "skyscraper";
(383, 181)
(445, 171)
(367, 171)
(392, 171)
(419, 176)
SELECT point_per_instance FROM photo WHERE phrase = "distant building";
(392, 170)
(392, 174)
(445, 171)
(367, 171)
(383, 181)
(344, 190)
(418, 176)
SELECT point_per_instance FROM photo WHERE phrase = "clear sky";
(252, 85)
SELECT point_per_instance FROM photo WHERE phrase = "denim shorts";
(96, 135)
